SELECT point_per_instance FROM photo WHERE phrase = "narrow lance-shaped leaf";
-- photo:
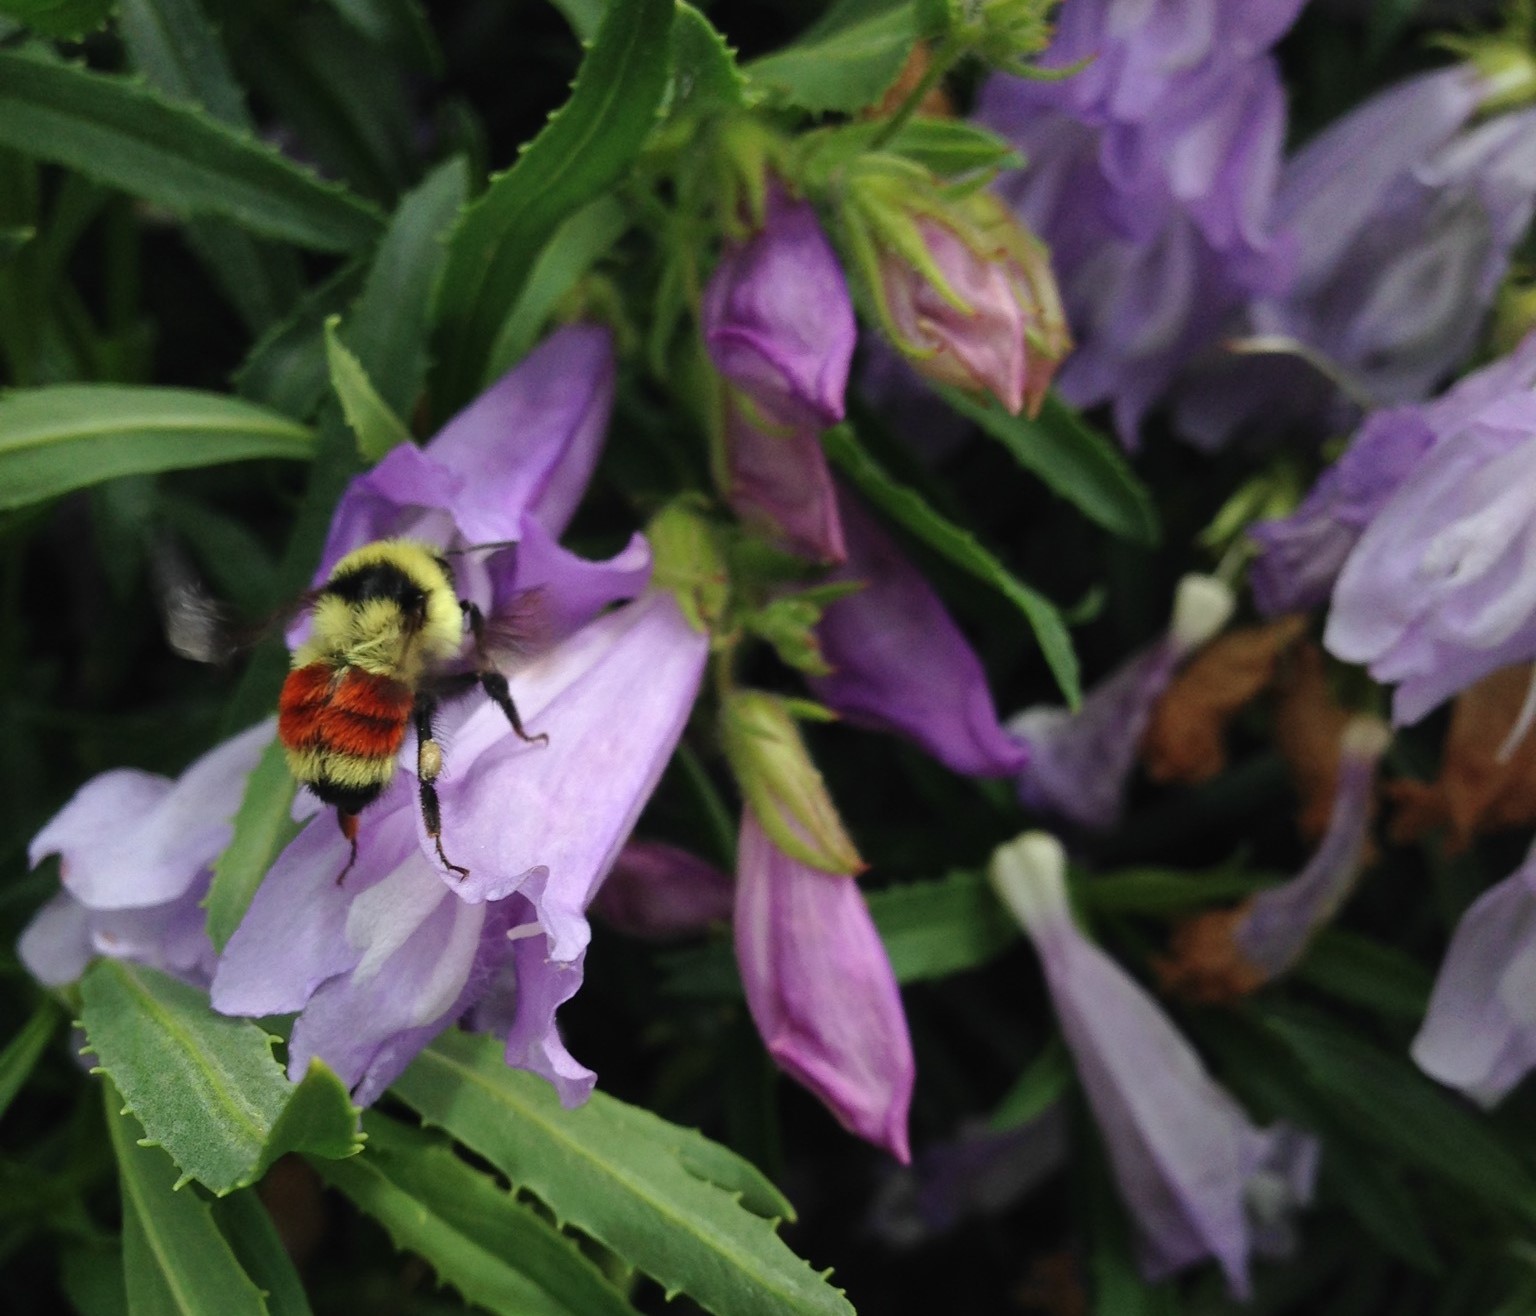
(126, 135)
(495, 1250)
(663, 1198)
(582, 151)
(70, 19)
(263, 826)
(378, 429)
(206, 1088)
(23, 1051)
(845, 60)
(66, 436)
(946, 538)
(175, 1260)
(253, 1238)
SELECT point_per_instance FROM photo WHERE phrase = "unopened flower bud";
(688, 561)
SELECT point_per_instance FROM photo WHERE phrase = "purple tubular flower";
(821, 991)
(900, 663)
(1437, 594)
(1278, 924)
(778, 320)
(1198, 1178)
(1479, 1035)
(781, 484)
(1301, 555)
(135, 855)
(658, 892)
(1079, 763)
(1404, 220)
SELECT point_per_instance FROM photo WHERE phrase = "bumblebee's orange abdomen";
(327, 711)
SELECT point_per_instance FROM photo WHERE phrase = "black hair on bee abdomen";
(349, 799)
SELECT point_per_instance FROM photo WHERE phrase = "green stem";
(944, 59)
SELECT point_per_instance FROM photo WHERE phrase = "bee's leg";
(429, 764)
(348, 823)
(491, 681)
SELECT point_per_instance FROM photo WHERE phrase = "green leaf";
(1389, 1102)
(285, 369)
(69, 19)
(66, 436)
(175, 1260)
(584, 16)
(952, 147)
(1040, 1086)
(1073, 459)
(1369, 973)
(495, 1250)
(206, 1087)
(127, 135)
(845, 60)
(704, 73)
(91, 1275)
(378, 429)
(253, 1238)
(1164, 890)
(950, 541)
(934, 929)
(23, 1051)
(583, 150)
(263, 826)
(663, 1198)
(576, 246)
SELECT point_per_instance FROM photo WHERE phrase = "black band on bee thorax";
(380, 580)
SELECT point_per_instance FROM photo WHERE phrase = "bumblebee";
(386, 631)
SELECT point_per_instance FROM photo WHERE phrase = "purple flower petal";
(821, 990)
(56, 945)
(534, 1042)
(658, 892)
(900, 663)
(781, 484)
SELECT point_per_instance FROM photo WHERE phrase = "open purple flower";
(136, 852)
(377, 966)
(899, 662)
(1079, 763)
(1198, 1178)
(821, 990)
(777, 318)
(1301, 555)
(1437, 593)
(1480, 1033)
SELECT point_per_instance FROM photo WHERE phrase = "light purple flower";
(136, 852)
(821, 990)
(899, 662)
(1301, 555)
(1079, 763)
(658, 891)
(1480, 1033)
(779, 483)
(1404, 220)
(1439, 592)
(380, 964)
(1198, 1178)
(777, 318)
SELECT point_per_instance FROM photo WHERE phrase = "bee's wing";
(201, 627)
(519, 630)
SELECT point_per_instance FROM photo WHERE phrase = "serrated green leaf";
(576, 246)
(263, 826)
(583, 150)
(253, 1238)
(23, 1051)
(67, 436)
(123, 133)
(495, 1250)
(908, 508)
(378, 429)
(206, 1087)
(69, 19)
(175, 1261)
(705, 78)
(624, 1176)
(1073, 459)
(845, 60)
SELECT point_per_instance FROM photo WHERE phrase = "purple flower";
(899, 662)
(1437, 593)
(821, 990)
(1480, 1033)
(136, 852)
(779, 483)
(380, 964)
(1198, 1178)
(1301, 555)
(1079, 763)
(1404, 220)
(658, 892)
(1151, 175)
(777, 318)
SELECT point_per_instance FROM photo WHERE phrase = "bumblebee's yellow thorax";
(389, 608)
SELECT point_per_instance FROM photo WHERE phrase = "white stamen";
(525, 930)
